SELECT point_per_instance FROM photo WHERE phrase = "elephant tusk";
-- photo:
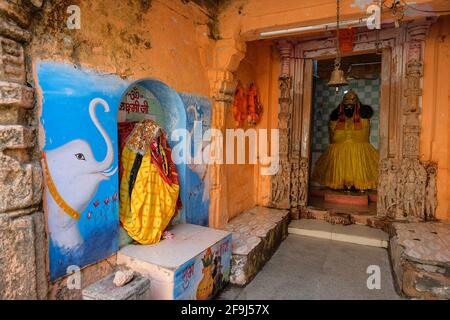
(110, 173)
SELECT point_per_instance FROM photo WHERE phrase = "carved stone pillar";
(281, 181)
(407, 187)
(22, 229)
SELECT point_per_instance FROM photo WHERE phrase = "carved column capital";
(415, 39)
(285, 48)
(222, 85)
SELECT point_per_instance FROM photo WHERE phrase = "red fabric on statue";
(162, 158)
(124, 130)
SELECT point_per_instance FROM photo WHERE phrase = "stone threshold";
(356, 234)
(335, 216)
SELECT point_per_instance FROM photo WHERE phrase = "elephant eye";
(80, 156)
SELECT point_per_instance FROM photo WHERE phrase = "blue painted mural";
(80, 159)
(79, 111)
(198, 114)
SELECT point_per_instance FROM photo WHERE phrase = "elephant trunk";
(108, 160)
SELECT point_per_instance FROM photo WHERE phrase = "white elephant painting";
(78, 139)
(73, 177)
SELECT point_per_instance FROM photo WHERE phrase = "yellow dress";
(350, 159)
(153, 201)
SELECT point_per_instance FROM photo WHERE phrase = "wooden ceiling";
(362, 66)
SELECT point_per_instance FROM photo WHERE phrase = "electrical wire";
(395, 3)
(422, 10)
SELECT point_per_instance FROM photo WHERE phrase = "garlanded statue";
(239, 107)
(254, 107)
(350, 161)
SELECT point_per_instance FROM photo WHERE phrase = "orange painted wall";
(240, 177)
(246, 186)
(435, 134)
(166, 40)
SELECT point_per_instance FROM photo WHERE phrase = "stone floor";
(309, 268)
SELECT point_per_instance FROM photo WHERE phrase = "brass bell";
(337, 78)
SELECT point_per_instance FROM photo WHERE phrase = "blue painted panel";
(75, 149)
(198, 111)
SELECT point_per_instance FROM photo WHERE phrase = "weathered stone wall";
(22, 236)
(165, 40)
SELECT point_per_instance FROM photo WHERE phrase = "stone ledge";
(105, 289)
(420, 255)
(257, 234)
(246, 259)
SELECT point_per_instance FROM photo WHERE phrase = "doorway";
(363, 73)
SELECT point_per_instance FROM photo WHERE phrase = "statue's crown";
(350, 98)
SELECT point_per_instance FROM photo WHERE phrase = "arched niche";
(169, 102)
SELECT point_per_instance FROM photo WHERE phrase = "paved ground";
(309, 268)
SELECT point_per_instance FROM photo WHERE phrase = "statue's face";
(348, 110)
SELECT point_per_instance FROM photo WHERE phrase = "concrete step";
(351, 233)
(257, 234)
(195, 264)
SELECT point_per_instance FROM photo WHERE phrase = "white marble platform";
(175, 266)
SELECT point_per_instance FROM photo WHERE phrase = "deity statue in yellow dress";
(350, 161)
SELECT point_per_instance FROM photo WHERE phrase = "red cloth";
(164, 163)
(356, 117)
(124, 130)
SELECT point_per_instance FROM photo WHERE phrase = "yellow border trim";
(55, 194)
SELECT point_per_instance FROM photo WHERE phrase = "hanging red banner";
(346, 40)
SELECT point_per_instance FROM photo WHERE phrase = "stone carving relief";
(413, 90)
(431, 192)
(281, 189)
(407, 191)
(411, 141)
(407, 187)
(299, 182)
